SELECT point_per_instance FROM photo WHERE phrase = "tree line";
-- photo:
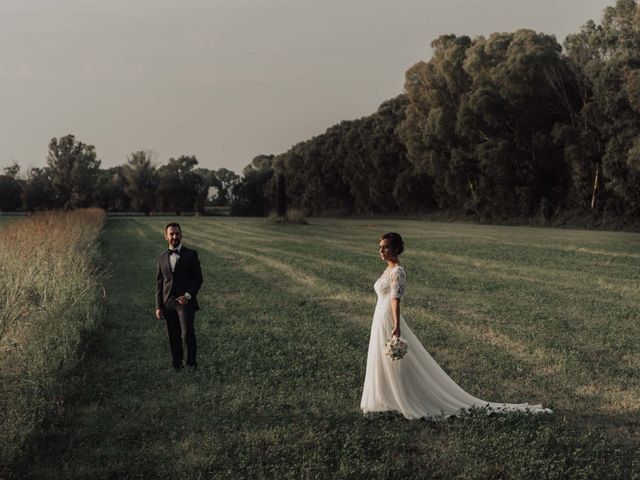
(512, 124)
(503, 126)
(73, 178)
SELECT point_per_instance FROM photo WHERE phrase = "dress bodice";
(391, 283)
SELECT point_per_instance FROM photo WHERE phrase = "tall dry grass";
(50, 298)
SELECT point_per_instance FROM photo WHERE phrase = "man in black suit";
(178, 280)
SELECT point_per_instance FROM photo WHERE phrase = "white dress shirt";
(173, 258)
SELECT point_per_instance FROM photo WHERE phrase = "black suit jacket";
(186, 278)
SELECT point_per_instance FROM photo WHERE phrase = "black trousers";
(182, 335)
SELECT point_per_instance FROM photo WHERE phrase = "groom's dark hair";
(173, 224)
(395, 241)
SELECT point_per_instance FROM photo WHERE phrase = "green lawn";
(512, 313)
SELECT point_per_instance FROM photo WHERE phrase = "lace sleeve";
(398, 282)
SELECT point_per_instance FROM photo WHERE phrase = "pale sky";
(224, 80)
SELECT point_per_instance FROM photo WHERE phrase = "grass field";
(513, 314)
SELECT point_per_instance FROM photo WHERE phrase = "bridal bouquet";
(396, 348)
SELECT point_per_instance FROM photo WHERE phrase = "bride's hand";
(396, 332)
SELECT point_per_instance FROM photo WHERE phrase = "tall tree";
(207, 179)
(480, 122)
(314, 173)
(10, 189)
(141, 180)
(38, 192)
(603, 147)
(251, 195)
(436, 89)
(179, 184)
(110, 191)
(374, 159)
(225, 180)
(281, 198)
(73, 169)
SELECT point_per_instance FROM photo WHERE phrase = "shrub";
(293, 215)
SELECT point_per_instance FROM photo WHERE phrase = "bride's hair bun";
(395, 241)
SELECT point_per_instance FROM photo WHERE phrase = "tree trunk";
(473, 191)
(282, 197)
(596, 187)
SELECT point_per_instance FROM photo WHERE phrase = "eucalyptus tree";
(352, 167)
(508, 120)
(604, 148)
(436, 91)
(374, 157)
(480, 119)
(313, 173)
(327, 190)
(290, 165)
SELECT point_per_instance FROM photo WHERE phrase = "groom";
(178, 279)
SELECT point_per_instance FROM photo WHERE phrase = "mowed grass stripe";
(283, 336)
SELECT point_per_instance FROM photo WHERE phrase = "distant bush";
(52, 297)
(293, 215)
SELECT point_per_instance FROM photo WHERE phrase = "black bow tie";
(177, 252)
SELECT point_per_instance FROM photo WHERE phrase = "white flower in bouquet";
(396, 348)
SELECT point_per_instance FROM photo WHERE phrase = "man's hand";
(182, 300)
(159, 314)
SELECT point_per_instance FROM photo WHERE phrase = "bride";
(415, 385)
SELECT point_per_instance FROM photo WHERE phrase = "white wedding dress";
(415, 386)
